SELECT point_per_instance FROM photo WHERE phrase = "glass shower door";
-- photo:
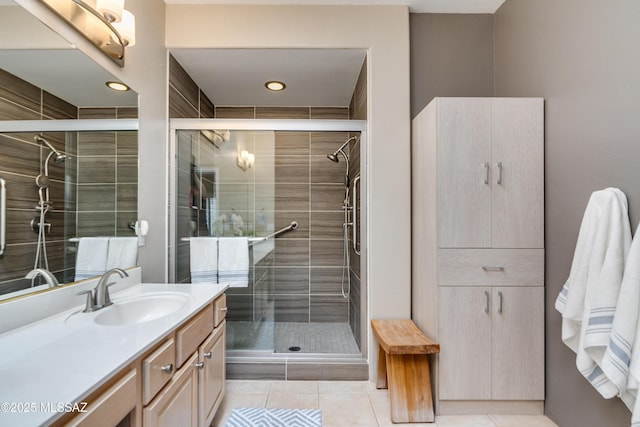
(218, 196)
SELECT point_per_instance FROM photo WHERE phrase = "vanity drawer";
(157, 370)
(219, 309)
(491, 267)
(191, 335)
(110, 407)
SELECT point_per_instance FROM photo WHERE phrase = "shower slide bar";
(3, 216)
(254, 240)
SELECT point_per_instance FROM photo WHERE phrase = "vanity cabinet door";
(211, 376)
(177, 403)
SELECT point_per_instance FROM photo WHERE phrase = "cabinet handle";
(486, 176)
(499, 180)
(207, 355)
(486, 304)
(199, 365)
(223, 309)
(493, 268)
(500, 302)
(167, 368)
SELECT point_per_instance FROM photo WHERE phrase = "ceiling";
(415, 6)
(314, 77)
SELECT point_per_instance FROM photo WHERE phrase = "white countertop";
(63, 358)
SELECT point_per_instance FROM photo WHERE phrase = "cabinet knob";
(167, 368)
(223, 309)
(199, 365)
(207, 355)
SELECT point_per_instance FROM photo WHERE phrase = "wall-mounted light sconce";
(105, 23)
(246, 160)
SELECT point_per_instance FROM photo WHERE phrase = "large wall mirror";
(71, 195)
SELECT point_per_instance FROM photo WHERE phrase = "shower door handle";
(3, 216)
(354, 202)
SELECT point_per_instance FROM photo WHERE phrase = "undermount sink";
(140, 309)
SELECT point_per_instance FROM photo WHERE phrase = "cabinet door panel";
(518, 189)
(177, 403)
(211, 378)
(465, 344)
(464, 199)
(518, 343)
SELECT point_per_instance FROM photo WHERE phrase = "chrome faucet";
(46, 274)
(99, 298)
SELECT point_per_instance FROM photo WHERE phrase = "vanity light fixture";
(275, 85)
(245, 160)
(117, 86)
(105, 23)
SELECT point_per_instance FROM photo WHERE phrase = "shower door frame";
(275, 125)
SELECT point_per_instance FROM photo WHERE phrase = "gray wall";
(583, 57)
(451, 55)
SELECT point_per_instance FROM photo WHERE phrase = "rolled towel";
(233, 261)
(204, 259)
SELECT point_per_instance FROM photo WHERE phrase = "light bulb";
(127, 28)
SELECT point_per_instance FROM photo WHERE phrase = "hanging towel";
(91, 259)
(233, 260)
(588, 298)
(122, 253)
(204, 259)
(623, 352)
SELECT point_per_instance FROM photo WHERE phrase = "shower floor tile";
(314, 337)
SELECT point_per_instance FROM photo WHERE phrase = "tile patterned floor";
(314, 337)
(348, 404)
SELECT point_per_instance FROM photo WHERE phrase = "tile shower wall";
(21, 161)
(93, 193)
(107, 176)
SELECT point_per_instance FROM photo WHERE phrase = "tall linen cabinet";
(478, 251)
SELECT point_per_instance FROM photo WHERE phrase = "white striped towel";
(233, 261)
(204, 259)
(122, 253)
(91, 259)
(589, 297)
(617, 361)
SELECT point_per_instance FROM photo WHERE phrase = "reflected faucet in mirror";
(51, 280)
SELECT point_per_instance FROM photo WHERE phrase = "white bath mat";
(272, 417)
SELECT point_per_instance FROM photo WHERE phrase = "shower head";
(59, 156)
(334, 156)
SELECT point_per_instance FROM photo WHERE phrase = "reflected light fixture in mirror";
(105, 23)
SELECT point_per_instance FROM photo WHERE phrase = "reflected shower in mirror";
(60, 186)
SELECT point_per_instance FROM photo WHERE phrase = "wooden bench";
(403, 366)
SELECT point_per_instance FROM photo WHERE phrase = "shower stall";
(292, 187)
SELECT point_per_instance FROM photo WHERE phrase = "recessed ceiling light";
(119, 86)
(275, 85)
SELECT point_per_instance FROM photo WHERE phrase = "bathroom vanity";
(155, 356)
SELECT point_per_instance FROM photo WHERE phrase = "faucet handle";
(89, 306)
(107, 297)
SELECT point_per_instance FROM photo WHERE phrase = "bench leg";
(381, 378)
(409, 388)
